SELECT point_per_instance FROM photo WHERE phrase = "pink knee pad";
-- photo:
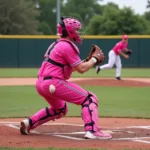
(90, 113)
(47, 114)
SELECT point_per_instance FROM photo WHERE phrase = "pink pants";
(63, 92)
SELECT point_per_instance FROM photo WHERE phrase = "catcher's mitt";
(97, 53)
(129, 52)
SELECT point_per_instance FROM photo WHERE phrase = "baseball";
(52, 88)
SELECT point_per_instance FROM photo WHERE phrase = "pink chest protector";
(72, 44)
(67, 69)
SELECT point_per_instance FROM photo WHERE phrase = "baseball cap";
(124, 37)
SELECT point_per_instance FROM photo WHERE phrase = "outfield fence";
(28, 51)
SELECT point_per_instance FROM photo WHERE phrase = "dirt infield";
(135, 82)
(69, 132)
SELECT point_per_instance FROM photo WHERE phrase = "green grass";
(23, 101)
(32, 72)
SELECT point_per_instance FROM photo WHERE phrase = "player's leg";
(57, 109)
(44, 115)
(89, 102)
(90, 118)
(118, 68)
(111, 62)
(73, 93)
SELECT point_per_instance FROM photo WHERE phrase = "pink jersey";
(120, 46)
(63, 53)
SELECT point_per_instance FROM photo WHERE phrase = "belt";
(47, 78)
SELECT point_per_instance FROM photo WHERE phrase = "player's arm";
(126, 50)
(85, 66)
(73, 69)
(124, 55)
(95, 56)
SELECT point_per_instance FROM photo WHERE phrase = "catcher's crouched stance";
(61, 59)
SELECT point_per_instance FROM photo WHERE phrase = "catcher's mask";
(69, 27)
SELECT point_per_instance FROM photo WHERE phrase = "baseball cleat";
(25, 127)
(97, 135)
(97, 69)
(118, 78)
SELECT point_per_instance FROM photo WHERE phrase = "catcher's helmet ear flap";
(64, 31)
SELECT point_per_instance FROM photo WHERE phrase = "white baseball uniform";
(114, 57)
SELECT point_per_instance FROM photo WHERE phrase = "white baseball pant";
(113, 60)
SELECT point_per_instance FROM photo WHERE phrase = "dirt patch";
(69, 133)
(136, 82)
(112, 82)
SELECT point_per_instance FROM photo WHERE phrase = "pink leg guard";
(47, 114)
(90, 113)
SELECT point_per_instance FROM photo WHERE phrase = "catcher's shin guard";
(46, 115)
(90, 113)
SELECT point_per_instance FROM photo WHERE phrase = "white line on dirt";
(60, 133)
(135, 138)
(142, 141)
(53, 134)
(56, 133)
(15, 127)
(128, 127)
(69, 137)
(67, 124)
(143, 127)
(12, 126)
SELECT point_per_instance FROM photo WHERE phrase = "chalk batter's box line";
(135, 139)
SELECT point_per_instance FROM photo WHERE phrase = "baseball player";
(61, 59)
(120, 49)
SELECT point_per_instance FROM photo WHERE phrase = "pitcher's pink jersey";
(62, 53)
(120, 46)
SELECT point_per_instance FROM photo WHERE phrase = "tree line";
(21, 17)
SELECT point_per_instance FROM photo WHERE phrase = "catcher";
(60, 60)
(120, 49)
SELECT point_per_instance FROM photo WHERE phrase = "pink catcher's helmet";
(69, 27)
(124, 37)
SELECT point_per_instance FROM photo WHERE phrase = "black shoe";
(118, 78)
(97, 69)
